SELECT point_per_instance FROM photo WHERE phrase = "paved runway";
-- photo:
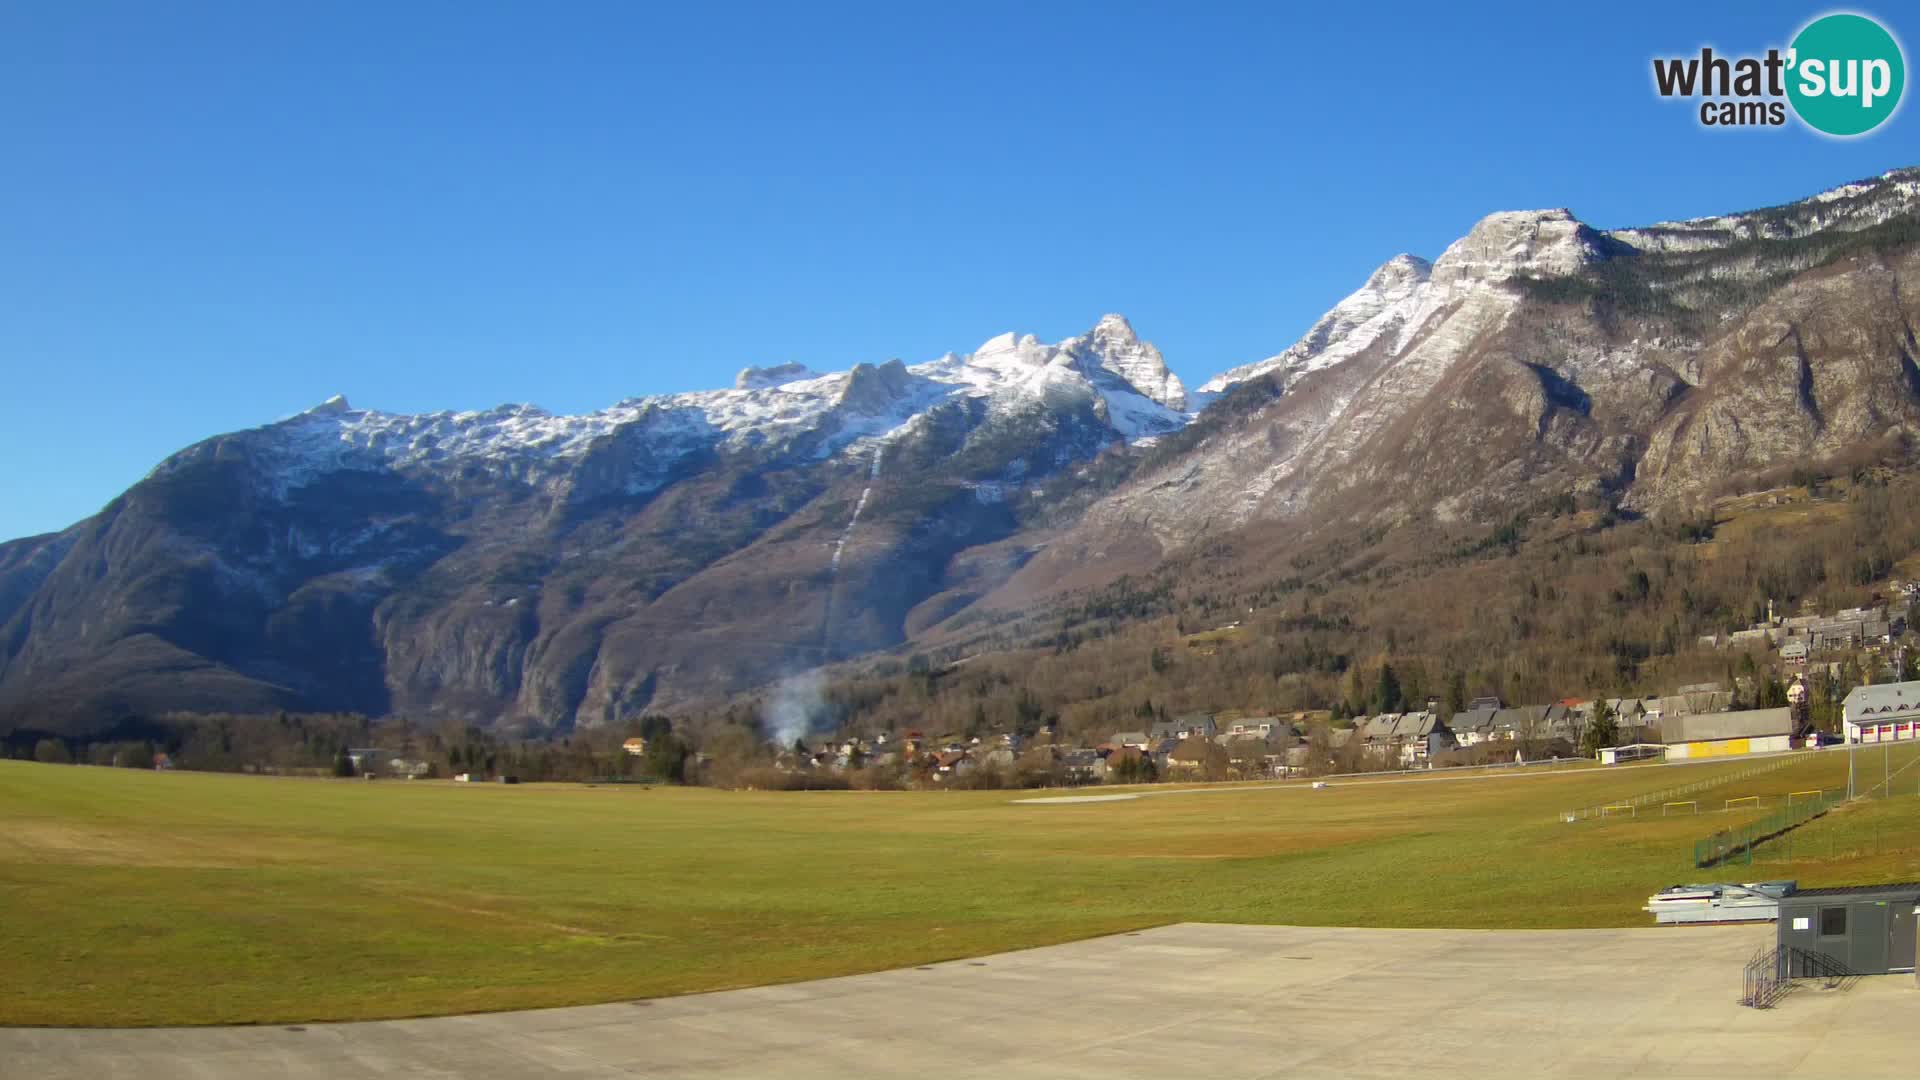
(1191, 1000)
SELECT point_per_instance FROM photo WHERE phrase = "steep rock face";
(1112, 346)
(1824, 364)
(1539, 356)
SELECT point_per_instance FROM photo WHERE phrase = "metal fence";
(1736, 845)
(1770, 975)
(1672, 794)
(1765, 980)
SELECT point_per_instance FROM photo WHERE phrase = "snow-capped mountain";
(1540, 357)
(515, 565)
(788, 408)
(573, 568)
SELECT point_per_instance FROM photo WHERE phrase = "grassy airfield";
(135, 898)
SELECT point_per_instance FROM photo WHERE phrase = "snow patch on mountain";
(1847, 208)
(1378, 309)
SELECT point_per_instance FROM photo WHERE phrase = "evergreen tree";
(654, 726)
(1602, 731)
(667, 758)
(1773, 694)
(1456, 695)
(343, 764)
(1386, 691)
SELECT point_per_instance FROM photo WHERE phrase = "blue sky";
(213, 215)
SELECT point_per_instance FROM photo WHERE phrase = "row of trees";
(318, 744)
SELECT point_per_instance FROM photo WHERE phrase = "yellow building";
(1727, 734)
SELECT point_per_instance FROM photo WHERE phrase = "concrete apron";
(1188, 1000)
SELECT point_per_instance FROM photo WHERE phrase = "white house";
(1884, 713)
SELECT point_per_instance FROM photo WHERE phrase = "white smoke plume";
(796, 701)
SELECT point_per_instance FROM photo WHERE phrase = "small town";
(1833, 678)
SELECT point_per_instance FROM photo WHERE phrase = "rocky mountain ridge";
(510, 564)
(1538, 356)
(565, 569)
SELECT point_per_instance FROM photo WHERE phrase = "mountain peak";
(333, 406)
(1113, 346)
(872, 389)
(1511, 243)
(1399, 270)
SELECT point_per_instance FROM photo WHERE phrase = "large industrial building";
(1882, 713)
(1752, 731)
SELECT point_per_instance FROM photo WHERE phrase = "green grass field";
(131, 898)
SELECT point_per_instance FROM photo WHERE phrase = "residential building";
(1698, 698)
(1883, 713)
(951, 763)
(1263, 726)
(1083, 766)
(1162, 752)
(1193, 756)
(1196, 725)
(1248, 755)
(1298, 757)
(1139, 740)
(1632, 712)
(1473, 726)
(1519, 724)
(1377, 730)
(1421, 735)
(1123, 754)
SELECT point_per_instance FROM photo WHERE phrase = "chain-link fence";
(1736, 845)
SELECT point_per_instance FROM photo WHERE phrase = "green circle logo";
(1846, 74)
